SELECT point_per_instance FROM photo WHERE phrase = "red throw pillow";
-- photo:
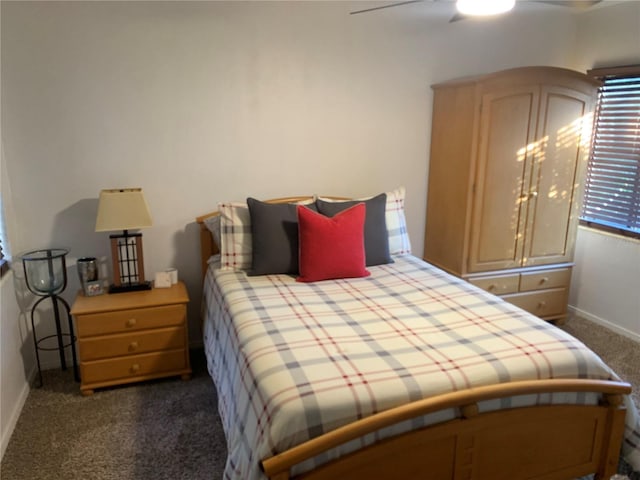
(331, 247)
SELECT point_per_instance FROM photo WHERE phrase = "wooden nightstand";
(130, 337)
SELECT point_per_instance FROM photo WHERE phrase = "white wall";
(17, 358)
(606, 279)
(16, 353)
(199, 102)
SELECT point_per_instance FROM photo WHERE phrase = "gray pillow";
(274, 237)
(376, 237)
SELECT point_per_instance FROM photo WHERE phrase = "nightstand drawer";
(543, 304)
(498, 284)
(133, 366)
(130, 320)
(546, 279)
(131, 343)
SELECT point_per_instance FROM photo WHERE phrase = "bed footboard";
(539, 442)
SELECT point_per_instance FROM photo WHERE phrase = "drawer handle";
(541, 305)
(133, 346)
(492, 287)
(135, 368)
(131, 322)
(544, 280)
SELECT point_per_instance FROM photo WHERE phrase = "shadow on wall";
(74, 229)
(186, 258)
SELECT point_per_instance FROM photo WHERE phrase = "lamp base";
(133, 287)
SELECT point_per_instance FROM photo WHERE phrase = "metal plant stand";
(45, 274)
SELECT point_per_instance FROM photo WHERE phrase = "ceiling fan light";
(484, 7)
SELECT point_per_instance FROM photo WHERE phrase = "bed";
(406, 372)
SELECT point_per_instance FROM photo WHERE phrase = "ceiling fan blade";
(582, 4)
(396, 4)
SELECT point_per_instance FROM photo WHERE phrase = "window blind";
(4, 265)
(612, 187)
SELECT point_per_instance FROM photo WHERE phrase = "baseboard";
(605, 323)
(15, 414)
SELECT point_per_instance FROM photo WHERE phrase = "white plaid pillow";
(235, 236)
(399, 242)
(236, 247)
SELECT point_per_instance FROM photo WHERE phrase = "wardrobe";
(508, 152)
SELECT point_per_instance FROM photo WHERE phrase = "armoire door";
(505, 156)
(563, 133)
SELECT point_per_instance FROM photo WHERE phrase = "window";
(4, 264)
(612, 188)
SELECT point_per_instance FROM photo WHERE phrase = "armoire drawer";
(543, 303)
(558, 278)
(130, 320)
(498, 284)
(108, 346)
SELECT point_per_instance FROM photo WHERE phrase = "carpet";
(165, 429)
(621, 353)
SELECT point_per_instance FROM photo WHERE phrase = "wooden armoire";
(508, 151)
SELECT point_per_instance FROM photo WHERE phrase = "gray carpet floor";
(165, 429)
(169, 429)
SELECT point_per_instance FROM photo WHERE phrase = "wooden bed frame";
(545, 442)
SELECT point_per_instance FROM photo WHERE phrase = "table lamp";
(125, 209)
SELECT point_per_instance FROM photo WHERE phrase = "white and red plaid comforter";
(291, 361)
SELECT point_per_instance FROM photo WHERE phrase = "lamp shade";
(484, 7)
(122, 209)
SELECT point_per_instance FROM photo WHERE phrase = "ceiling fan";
(471, 8)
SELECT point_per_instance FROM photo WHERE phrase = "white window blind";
(4, 264)
(612, 187)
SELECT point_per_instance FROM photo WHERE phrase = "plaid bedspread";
(291, 361)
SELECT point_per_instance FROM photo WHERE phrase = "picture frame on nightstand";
(91, 289)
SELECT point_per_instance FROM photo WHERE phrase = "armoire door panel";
(504, 164)
(556, 169)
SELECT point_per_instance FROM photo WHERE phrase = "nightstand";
(130, 337)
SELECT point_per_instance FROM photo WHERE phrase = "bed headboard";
(208, 247)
